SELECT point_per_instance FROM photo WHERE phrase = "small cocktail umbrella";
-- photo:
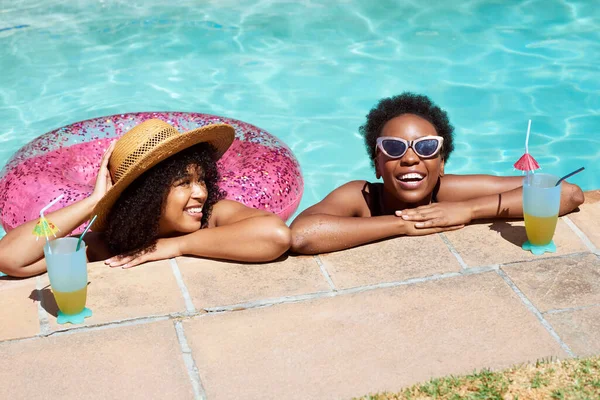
(527, 163)
(45, 228)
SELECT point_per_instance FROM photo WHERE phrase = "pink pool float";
(258, 170)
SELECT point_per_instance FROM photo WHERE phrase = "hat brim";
(220, 136)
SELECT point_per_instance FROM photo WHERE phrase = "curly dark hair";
(133, 222)
(406, 103)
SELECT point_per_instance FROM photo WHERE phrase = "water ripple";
(309, 71)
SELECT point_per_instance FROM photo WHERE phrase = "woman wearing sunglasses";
(409, 139)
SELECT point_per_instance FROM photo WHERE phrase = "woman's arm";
(239, 233)
(21, 255)
(343, 220)
(499, 196)
(510, 204)
(464, 198)
(235, 232)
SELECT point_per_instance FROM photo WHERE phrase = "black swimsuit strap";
(376, 200)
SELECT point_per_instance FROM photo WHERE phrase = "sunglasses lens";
(426, 148)
(394, 148)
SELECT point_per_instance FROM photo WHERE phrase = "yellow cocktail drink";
(540, 229)
(67, 270)
(541, 204)
(71, 302)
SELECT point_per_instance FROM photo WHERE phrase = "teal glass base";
(73, 318)
(539, 250)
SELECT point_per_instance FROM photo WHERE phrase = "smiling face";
(182, 212)
(408, 181)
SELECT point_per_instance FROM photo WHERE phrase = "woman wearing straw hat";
(156, 197)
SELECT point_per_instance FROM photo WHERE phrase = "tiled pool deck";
(339, 325)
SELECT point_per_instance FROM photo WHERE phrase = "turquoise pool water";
(309, 71)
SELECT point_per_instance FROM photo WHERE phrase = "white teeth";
(412, 175)
(194, 210)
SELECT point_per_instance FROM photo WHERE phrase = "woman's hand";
(103, 180)
(165, 249)
(410, 229)
(444, 214)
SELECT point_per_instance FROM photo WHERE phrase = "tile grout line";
(324, 272)
(588, 243)
(257, 304)
(535, 312)
(189, 305)
(563, 310)
(545, 257)
(113, 324)
(100, 326)
(458, 257)
(190, 364)
(323, 295)
(42, 314)
(537, 258)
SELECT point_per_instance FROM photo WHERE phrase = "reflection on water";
(309, 71)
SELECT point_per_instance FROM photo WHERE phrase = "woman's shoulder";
(353, 198)
(225, 212)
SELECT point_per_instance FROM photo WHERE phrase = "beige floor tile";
(579, 329)
(390, 261)
(133, 362)
(500, 242)
(559, 282)
(588, 216)
(350, 345)
(214, 283)
(7, 282)
(19, 311)
(115, 294)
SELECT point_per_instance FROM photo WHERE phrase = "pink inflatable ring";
(258, 170)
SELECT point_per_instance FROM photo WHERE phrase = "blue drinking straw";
(84, 232)
(568, 175)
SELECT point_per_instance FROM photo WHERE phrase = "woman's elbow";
(282, 238)
(9, 268)
(575, 198)
(279, 240)
(6, 265)
(301, 243)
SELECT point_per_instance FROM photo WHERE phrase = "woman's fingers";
(125, 262)
(421, 216)
(134, 262)
(438, 229)
(107, 154)
(118, 261)
(434, 221)
(109, 183)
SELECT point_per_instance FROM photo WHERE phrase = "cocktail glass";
(541, 203)
(67, 270)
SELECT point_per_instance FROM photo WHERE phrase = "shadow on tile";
(46, 296)
(513, 234)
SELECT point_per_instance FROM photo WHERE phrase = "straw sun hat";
(147, 144)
